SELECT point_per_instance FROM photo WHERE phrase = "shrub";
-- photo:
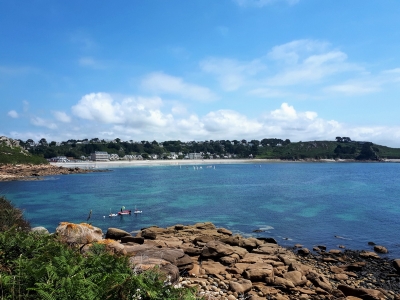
(11, 216)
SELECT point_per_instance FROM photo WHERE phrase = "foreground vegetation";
(39, 266)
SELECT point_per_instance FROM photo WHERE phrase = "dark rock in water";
(303, 251)
(380, 249)
(322, 247)
(258, 230)
(371, 244)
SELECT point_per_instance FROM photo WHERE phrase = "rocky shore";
(35, 172)
(220, 265)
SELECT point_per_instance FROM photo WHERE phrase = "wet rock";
(303, 251)
(380, 249)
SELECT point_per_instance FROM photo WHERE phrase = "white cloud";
(43, 123)
(359, 88)
(133, 111)
(159, 82)
(306, 61)
(13, 114)
(62, 116)
(229, 122)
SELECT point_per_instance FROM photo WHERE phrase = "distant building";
(194, 156)
(99, 156)
(59, 159)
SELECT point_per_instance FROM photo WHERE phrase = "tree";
(339, 139)
(346, 139)
(43, 142)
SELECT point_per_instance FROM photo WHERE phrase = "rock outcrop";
(225, 266)
(35, 172)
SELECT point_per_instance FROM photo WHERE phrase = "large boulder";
(175, 256)
(258, 272)
(241, 286)
(367, 294)
(111, 246)
(204, 226)
(140, 264)
(216, 249)
(40, 230)
(380, 249)
(79, 233)
(212, 267)
(116, 234)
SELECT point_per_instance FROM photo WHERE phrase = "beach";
(141, 163)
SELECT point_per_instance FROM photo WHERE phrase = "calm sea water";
(332, 204)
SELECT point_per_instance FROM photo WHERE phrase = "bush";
(11, 216)
(40, 266)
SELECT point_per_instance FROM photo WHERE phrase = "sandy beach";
(141, 163)
(185, 162)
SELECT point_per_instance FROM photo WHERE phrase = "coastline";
(36, 172)
(198, 162)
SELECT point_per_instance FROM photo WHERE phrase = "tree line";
(78, 148)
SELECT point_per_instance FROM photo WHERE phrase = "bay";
(330, 204)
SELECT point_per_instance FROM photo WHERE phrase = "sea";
(330, 204)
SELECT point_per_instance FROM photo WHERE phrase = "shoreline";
(198, 162)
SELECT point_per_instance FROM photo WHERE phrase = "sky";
(200, 70)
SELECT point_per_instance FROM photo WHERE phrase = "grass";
(17, 155)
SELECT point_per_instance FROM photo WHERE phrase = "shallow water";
(306, 203)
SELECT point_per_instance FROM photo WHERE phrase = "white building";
(194, 156)
(99, 156)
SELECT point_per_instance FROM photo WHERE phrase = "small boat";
(111, 214)
(124, 212)
(136, 211)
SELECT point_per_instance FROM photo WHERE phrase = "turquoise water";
(306, 203)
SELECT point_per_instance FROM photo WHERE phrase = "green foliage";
(270, 148)
(17, 155)
(39, 266)
(11, 216)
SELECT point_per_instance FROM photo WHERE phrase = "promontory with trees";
(267, 148)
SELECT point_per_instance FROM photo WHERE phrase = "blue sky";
(200, 70)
